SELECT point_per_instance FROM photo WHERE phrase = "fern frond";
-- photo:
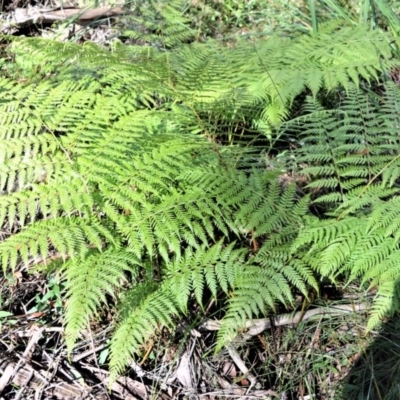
(266, 280)
(350, 150)
(70, 237)
(89, 280)
(145, 308)
(66, 195)
(215, 268)
(159, 24)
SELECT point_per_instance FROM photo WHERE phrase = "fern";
(260, 79)
(127, 164)
(159, 24)
(352, 250)
(348, 151)
(352, 155)
(89, 279)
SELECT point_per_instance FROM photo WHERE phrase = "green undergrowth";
(157, 178)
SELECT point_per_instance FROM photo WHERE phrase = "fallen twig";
(34, 15)
(256, 326)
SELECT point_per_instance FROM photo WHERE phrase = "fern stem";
(314, 19)
(148, 351)
(254, 241)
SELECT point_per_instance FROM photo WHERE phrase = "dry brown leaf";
(183, 372)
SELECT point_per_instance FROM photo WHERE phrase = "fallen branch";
(257, 326)
(82, 16)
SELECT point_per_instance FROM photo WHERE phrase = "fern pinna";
(115, 171)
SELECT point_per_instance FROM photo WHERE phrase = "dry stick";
(240, 394)
(257, 326)
(65, 390)
(242, 366)
(82, 15)
(6, 376)
(90, 352)
(123, 385)
(29, 16)
(93, 348)
(21, 373)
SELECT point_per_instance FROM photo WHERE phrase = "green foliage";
(158, 24)
(262, 211)
(252, 79)
(351, 159)
(378, 13)
(348, 151)
(226, 19)
(136, 169)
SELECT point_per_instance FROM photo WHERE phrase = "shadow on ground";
(376, 374)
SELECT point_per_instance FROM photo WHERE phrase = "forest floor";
(290, 356)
